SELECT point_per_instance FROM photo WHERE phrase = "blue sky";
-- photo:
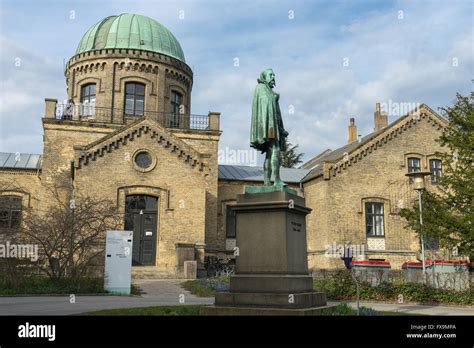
(398, 51)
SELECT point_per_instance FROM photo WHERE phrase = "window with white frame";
(374, 219)
(414, 166)
(436, 170)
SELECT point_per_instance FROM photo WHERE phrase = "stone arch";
(161, 193)
(25, 196)
(85, 81)
(136, 78)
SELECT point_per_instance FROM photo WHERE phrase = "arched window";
(10, 212)
(176, 105)
(88, 99)
(134, 99)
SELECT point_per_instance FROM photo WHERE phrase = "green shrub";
(343, 309)
(340, 286)
(33, 285)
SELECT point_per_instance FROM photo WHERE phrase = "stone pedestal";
(271, 265)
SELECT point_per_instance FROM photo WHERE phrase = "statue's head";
(267, 76)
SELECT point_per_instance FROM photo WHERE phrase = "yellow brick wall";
(338, 211)
(182, 222)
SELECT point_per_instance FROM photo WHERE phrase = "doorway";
(141, 217)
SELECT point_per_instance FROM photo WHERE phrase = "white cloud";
(402, 60)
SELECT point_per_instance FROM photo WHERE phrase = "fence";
(92, 113)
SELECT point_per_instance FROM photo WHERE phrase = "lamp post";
(347, 258)
(419, 186)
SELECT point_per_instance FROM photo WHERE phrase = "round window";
(143, 159)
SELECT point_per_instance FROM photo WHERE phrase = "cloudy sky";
(333, 60)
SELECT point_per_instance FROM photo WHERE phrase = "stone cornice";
(117, 55)
(99, 148)
(20, 171)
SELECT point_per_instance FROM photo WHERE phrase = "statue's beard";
(272, 83)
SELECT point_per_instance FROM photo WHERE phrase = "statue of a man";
(267, 133)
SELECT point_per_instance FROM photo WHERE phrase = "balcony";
(92, 113)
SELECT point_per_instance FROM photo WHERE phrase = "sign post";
(118, 262)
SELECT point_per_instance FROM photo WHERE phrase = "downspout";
(113, 94)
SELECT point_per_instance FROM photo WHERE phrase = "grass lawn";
(159, 310)
(341, 310)
(206, 287)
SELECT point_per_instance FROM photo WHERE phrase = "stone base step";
(149, 272)
(232, 311)
(273, 300)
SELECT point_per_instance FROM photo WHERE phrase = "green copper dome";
(131, 31)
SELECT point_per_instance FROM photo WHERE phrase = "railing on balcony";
(92, 113)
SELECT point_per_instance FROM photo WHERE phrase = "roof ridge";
(330, 167)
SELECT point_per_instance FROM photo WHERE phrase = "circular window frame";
(150, 167)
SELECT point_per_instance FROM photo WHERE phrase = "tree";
(289, 157)
(70, 232)
(448, 210)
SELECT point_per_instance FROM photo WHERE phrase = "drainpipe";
(113, 94)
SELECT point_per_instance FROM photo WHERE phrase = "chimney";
(380, 118)
(352, 131)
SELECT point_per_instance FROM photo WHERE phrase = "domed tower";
(126, 134)
(128, 66)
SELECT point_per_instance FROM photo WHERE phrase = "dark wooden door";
(141, 218)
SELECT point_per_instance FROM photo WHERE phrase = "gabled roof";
(248, 173)
(149, 127)
(328, 163)
(11, 160)
(315, 160)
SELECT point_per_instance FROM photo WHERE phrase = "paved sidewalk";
(163, 292)
(166, 292)
(415, 308)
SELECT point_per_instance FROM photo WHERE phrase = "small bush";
(35, 285)
(207, 287)
(340, 286)
(343, 309)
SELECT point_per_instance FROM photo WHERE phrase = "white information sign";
(118, 261)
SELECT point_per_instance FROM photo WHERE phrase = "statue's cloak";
(267, 124)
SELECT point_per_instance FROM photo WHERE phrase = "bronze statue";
(267, 131)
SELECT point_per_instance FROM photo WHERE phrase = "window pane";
(4, 219)
(129, 106)
(92, 89)
(435, 169)
(130, 88)
(4, 214)
(151, 203)
(16, 216)
(230, 222)
(139, 107)
(413, 165)
(368, 207)
(140, 89)
(378, 208)
(10, 211)
(143, 159)
(379, 225)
